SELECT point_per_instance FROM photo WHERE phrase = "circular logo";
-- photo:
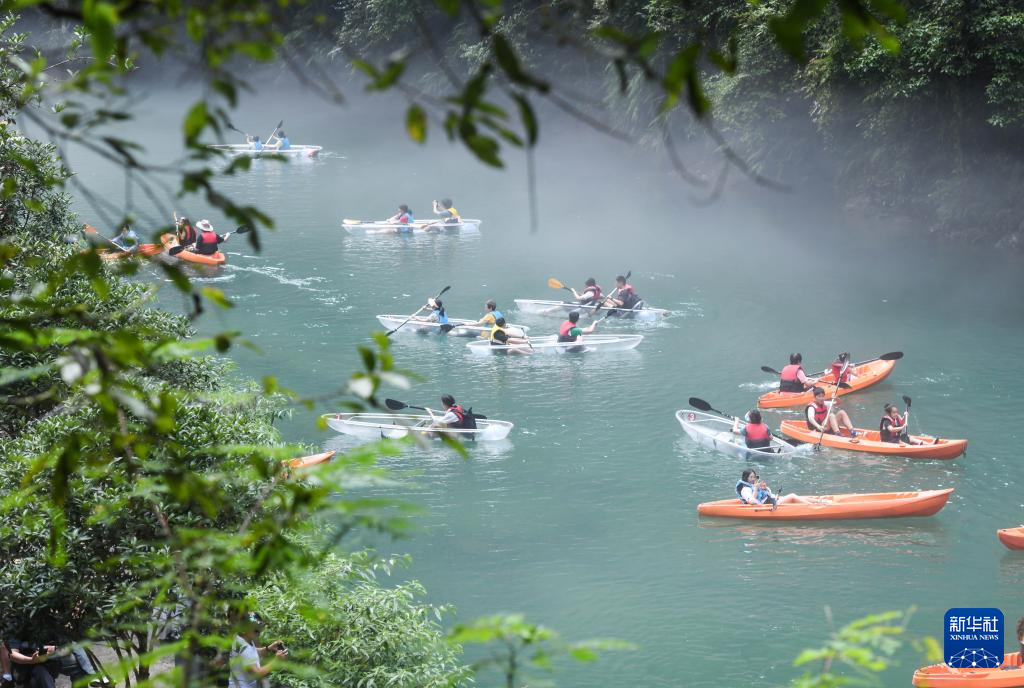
(691, 416)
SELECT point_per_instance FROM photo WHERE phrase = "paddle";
(175, 250)
(439, 295)
(610, 296)
(835, 392)
(701, 405)
(396, 405)
(891, 356)
(556, 284)
(234, 128)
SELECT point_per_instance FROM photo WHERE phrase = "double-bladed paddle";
(175, 250)
(556, 284)
(439, 295)
(891, 356)
(832, 403)
(396, 405)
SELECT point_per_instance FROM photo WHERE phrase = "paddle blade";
(447, 327)
(350, 221)
(175, 250)
(552, 282)
(394, 404)
(629, 273)
(891, 356)
(89, 229)
(441, 293)
(906, 400)
(699, 404)
(770, 371)
(244, 229)
(844, 385)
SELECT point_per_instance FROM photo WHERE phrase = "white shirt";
(244, 655)
(448, 418)
(748, 495)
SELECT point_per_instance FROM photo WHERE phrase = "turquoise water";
(585, 519)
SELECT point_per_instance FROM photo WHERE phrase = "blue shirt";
(129, 241)
(286, 144)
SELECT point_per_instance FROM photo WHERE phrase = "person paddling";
(447, 211)
(820, 417)
(207, 240)
(454, 415)
(282, 141)
(793, 378)
(403, 216)
(842, 362)
(187, 234)
(752, 490)
(591, 293)
(492, 314)
(127, 240)
(756, 433)
(625, 295)
(893, 427)
(255, 142)
(499, 336)
(438, 313)
(570, 331)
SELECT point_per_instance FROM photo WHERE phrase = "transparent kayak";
(560, 308)
(463, 327)
(383, 227)
(396, 426)
(297, 151)
(715, 432)
(550, 345)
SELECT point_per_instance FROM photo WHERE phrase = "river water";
(585, 519)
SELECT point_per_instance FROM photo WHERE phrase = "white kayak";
(715, 432)
(550, 345)
(236, 149)
(560, 308)
(396, 426)
(463, 328)
(378, 227)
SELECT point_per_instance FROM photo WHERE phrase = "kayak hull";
(1012, 538)
(311, 460)
(868, 441)
(590, 343)
(237, 149)
(1009, 675)
(396, 426)
(841, 507)
(384, 228)
(865, 375)
(169, 241)
(561, 308)
(463, 328)
(715, 432)
(145, 250)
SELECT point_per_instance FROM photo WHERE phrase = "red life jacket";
(837, 368)
(209, 238)
(757, 432)
(896, 428)
(458, 411)
(563, 331)
(819, 411)
(188, 235)
(789, 380)
(595, 292)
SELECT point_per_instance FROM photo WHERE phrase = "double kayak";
(870, 442)
(864, 375)
(1013, 538)
(396, 426)
(838, 507)
(640, 312)
(170, 241)
(715, 432)
(462, 327)
(311, 460)
(550, 345)
(236, 149)
(383, 227)
(1010, 674)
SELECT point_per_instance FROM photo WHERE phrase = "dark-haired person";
(438, 313)
(447, 211)
(492, 314)
(499, 336)
(893, 427)
(247, 670)
(624, 296)
(402, 217)
(454, 415)
(842, 361)
(819, 418)
(756, 433)
(207, 241)
(570, 331)
(591, 294)
(282, 141)
(793, 378)
(34, 665)
(127, 240)
(1020, 636)
(186, 233)
(255, 142)
(752, 490)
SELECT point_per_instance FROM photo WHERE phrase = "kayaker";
(499, 336)
(127, 240)
(624, 295)
(208, 240)
(1020, 635)
(893, 427)
(187, 234)
(447, 211)
(570, 331)
(255, 142)
(818, 415)
(842, 360)
(752, 490)
(454, 415)
(492, 314)
(402, 217)
(591, 293)
(282, 140)
(438, 313)
(756, 433)
(793, 377)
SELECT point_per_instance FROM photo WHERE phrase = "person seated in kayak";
(255, 142)
(624, 295)
(402, 217)
(756, 433)
(208, 240)
(492, 314)
(820, 418)
(499, 336)
(893, 427)
(570, 331)
(752, 490)
(454, 415)
(127, 240)
(438, 313)
(282, 141)
(793, 377)
(842, 360)
(447, 211)
(187, 234)
(591, 293)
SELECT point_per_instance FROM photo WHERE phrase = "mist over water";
(585, 519)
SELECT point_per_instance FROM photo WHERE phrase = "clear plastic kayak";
(550, 345)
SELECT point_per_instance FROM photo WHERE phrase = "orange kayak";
(869, 441)
(311, 460)
(864, 375)
(1013, 538)
(839, 507)
(147, 250)
(169, 241)
(1009, 675)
